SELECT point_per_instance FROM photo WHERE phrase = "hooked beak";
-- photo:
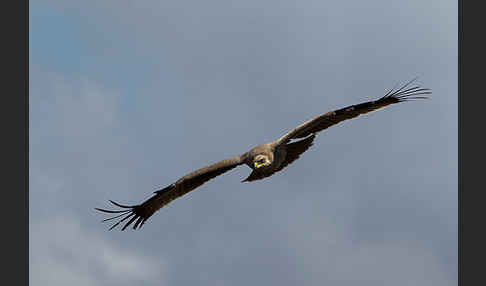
(258, 165)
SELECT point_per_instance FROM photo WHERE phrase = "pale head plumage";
(261, 160)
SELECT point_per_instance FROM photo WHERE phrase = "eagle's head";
(260, 161)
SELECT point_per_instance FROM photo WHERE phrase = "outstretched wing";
(321, 122)
(294, 150)
(140, 213)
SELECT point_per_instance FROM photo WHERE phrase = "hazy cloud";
(62, 251)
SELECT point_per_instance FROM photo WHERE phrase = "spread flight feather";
(264, 160)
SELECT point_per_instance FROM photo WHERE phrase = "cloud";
(73, 131)
(63, 252)
(79, 132)
(73, 108)
(333, 254)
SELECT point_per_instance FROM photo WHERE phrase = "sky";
(126, 97)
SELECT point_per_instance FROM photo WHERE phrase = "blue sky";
(126, 97)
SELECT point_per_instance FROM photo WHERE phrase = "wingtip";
(407, 93)
(122, 206)
(126, 213)
(129, 223)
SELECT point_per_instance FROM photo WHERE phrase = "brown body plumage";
(264, 159)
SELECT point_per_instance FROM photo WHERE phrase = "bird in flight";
(264, 160)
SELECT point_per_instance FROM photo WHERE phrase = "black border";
(471, 142)
(15, 120)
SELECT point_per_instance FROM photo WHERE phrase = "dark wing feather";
(140, 213)
(294, 150)
(321, 122)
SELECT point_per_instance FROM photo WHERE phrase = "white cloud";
(70, 107)
(63, 252)
(332, 253)
(73, 145)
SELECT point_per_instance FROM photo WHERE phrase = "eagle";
(264, 160)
